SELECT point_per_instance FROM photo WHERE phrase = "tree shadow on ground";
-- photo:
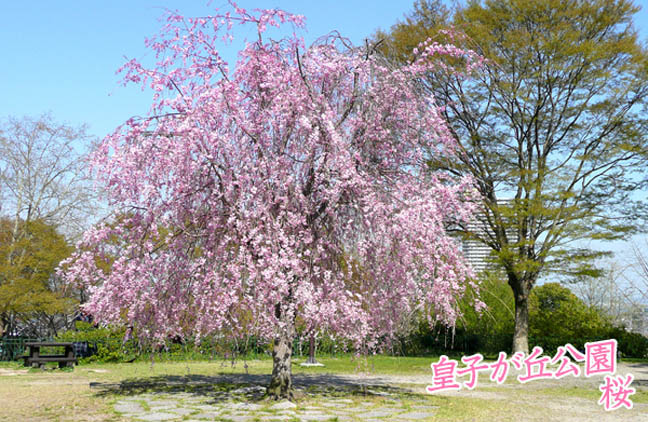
(250, 387)
(640, 373)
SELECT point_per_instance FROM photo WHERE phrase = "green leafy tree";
(29, 293)
(489, 330)
(497, 317)
(557, 313)
(552, 126)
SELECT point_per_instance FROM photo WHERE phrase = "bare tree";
(638, 277)
(608, 294)
(621, 293)
(42, 178)
(42, 172)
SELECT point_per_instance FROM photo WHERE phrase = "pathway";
(350, 398)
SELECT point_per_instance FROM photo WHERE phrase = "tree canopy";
(28, 289)
(294, 184)
(556, 312)
(552, 126)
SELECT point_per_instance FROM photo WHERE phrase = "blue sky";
(61, 56)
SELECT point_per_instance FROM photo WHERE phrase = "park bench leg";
(69, 353)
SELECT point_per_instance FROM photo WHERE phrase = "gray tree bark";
(281, 381)
(521, 290)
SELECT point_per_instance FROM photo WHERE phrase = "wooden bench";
(36, 360)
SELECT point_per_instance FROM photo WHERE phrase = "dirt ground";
(548, 400)
(69, 396)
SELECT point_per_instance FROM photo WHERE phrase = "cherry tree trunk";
(281, 382)
(311, 350)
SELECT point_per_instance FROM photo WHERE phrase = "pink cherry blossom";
(293, 188)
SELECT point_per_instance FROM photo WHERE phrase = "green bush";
(106, 341)
(488, 332)
(491, 330)
(556, 317)
(555, 312)
(109, 346)
(632, 345)
(85, 331)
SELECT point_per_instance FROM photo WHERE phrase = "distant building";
(475, 251)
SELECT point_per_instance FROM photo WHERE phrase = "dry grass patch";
(52, 396)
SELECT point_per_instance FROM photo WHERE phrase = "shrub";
(629, 344)
(106, 342)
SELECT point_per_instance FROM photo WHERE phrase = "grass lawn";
(72, 395)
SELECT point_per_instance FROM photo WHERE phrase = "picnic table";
(36, 359)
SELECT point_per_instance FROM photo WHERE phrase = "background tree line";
(557, 316)
(45, 201)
